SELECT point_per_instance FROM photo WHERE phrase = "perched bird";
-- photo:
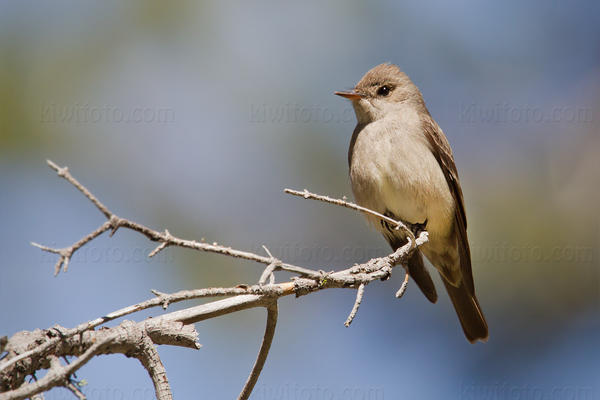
(401, 165)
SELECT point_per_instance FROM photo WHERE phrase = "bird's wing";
(443, 154)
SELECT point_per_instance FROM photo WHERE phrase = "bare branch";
(149, 358)
(158, 248)
(25, 359)
(67, 252)
(245, 297)
(127, 338)
(403, 287)
(344, 203)
(268, 274)
(359, 296)
(263, 352)
(116, 222)
(64, 173)
(154, 302)
(75, 390)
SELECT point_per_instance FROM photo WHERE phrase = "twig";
(67, 252)
(115, 222)
(158, 248)
(263, 352)
(342, 202)
(403, 287)
(268, 273)
(75, 390)
(64, 173)
(359, 296)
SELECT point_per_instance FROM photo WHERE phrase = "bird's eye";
(384, 90)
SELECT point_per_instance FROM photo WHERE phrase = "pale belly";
(395, 172)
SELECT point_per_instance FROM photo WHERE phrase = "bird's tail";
(415, 266)
(417, 271)
(468, 310)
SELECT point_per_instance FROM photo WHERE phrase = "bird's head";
(383, 90)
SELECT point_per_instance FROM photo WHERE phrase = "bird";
(401, 165)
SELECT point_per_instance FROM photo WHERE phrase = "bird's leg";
(417, 228)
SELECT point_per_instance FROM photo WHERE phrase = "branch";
(402, 289)
(132, 339)
(148, 356)
(263, 352)
(115, 222)
(342, 202)
(359, 296)
(24, 359)
(67, 252)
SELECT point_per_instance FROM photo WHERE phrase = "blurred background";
(193, 116)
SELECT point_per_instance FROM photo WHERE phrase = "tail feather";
(416, 269)
(469, 312)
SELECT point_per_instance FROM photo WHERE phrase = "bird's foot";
(417, 228)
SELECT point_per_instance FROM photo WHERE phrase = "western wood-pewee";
(401, 165)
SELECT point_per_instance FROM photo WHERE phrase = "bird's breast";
(393, 170)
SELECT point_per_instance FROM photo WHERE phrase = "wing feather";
(443, 154)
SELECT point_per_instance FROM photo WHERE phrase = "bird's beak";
(350, 94)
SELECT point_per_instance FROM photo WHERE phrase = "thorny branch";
(28, 352)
